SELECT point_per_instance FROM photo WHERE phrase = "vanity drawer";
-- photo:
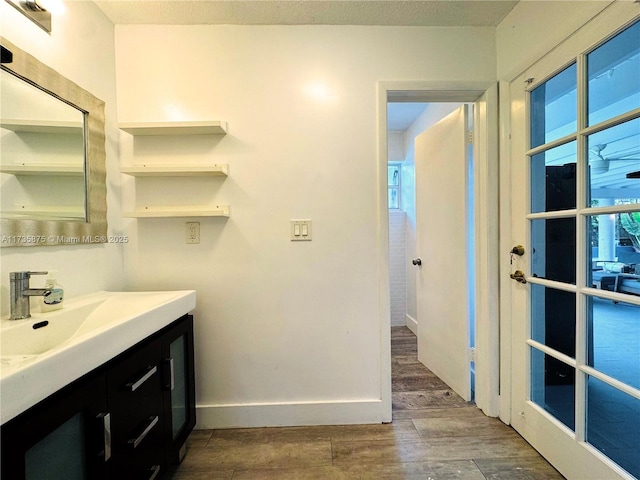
(134, 391)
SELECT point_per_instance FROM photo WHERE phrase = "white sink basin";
(35, 336)
(42, 354)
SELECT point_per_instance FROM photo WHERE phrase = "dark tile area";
(435, 434)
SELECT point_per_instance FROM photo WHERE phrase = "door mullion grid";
(581, 251)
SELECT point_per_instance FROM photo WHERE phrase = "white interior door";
(441, 164)
(575, 145)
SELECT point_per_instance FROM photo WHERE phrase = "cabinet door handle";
(136, 441)
(172, 374)
(133, 386)
(154, 471)
(105, 418)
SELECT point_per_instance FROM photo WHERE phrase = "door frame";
(485, 149)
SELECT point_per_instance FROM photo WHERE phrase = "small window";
(394, 186)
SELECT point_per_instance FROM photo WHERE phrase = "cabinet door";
(179, 386)
(65, 436)
(135, 399)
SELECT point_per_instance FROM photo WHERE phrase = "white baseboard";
(288, 414)
(412, 324)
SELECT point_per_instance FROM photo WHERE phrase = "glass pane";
(553, 179)
(614, 156)
(394, 175)
(614, 339)
(553, 318)
(553, 254)
(177, 351)
(613, 70)
(554, 108)
(553, 386)
(60, 454)
(614, 261)
(393, 198)
(613, 424)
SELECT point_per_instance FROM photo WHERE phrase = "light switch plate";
(301, 230)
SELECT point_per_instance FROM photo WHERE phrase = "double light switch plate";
(300, 230)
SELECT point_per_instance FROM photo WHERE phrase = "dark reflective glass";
(553, 318)
(553, 254)
(553, 387)
(553, 179)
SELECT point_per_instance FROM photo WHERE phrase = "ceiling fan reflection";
(600, 164)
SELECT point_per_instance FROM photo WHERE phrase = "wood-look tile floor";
(435, 434)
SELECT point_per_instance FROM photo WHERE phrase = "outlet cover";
(193, 232)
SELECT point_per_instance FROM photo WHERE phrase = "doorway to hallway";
(479, 206)
(431, 192)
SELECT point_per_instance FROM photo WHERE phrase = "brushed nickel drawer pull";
(133, 386)
(105, 419)
(136, 441)
(172, 375)
(154, 470)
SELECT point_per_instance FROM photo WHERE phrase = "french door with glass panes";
(575, 201)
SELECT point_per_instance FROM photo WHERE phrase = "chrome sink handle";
(20, 292)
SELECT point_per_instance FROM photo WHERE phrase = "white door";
(575, 203)
(441, 243)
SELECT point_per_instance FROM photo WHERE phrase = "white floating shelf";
(48, 169)
(43, 126)
(175, 128)
(45, 211)
(180, 211)
(175, 170)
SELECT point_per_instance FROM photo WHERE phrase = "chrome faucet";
(20, 293)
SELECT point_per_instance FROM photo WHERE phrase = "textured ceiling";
(308, 12)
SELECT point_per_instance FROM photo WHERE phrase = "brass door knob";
(518, 276)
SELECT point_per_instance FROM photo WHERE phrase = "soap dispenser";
(53, 301)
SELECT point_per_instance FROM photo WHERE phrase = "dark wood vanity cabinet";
(128, 419)
(134, 396)
(61, 437)
(178, 387)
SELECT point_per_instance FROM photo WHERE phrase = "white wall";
(395, 146)
(287, 333)
(80, 47)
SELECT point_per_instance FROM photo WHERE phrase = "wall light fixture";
(34, 11)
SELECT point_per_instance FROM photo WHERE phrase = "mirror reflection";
(53, 163)
(43, 154)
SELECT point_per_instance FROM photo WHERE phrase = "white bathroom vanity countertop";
(42, 354)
